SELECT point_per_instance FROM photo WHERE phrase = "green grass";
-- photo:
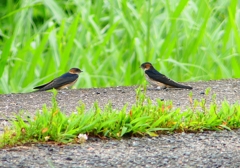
(143, 118)
(188, 40)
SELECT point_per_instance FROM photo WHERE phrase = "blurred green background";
(187, 40)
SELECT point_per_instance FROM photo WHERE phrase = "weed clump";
(143, 118)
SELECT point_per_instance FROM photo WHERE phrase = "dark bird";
(64, 81)
(159, 80)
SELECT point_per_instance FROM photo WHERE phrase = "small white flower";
(46, 138)
(82, 138)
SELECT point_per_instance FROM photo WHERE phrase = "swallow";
(159, 80)
(64, 81)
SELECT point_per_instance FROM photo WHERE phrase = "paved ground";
(206, 149)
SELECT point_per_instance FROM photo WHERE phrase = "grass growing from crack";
(143, 118)
(189, 40)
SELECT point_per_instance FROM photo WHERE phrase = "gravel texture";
(208, 149)
(205, 149)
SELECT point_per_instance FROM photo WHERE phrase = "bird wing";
(58, 82)
(155, 75)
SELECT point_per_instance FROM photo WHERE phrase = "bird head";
(75, 71)
(146, 66)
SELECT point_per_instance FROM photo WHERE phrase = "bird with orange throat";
(159, 80)
(64, 81)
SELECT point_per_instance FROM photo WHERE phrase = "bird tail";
(40, 87)
(182, 86)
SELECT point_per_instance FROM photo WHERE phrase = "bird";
(157, 79)
(64, 81)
